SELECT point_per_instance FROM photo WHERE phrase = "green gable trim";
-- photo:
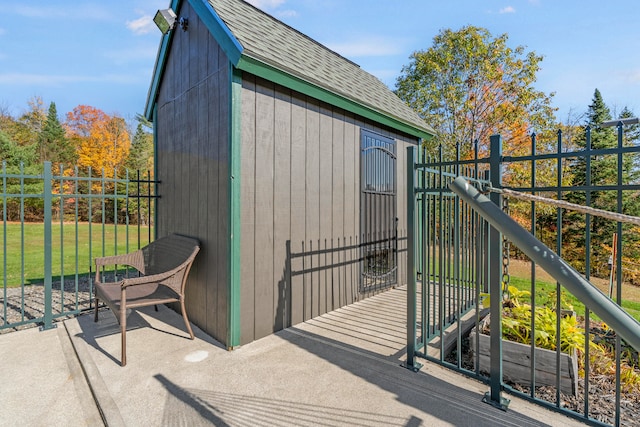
(158, 69)
(161, 59)
(220, 32)
(229, 44)
(233, 303)
(280, 77)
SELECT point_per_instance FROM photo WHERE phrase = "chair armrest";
(163, 277)
(133, 259)
(143, 280)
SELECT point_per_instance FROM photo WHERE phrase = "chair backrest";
(168, 252)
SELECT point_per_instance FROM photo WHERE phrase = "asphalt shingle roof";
(270, 41)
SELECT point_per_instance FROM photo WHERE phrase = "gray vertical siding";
(300, 162)
(300, 191)
(192, 129)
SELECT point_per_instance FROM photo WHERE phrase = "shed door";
(378, 222)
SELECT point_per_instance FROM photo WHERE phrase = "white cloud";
(367, 46)
(266, 4)
(508, 9)
(633, 76)
(289, 13)
(142, 25)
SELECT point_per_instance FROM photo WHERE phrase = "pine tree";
(631, 132)
(602, 171)
(141, 151)
(14, 154)
(54, 145)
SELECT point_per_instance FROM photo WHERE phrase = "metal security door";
(378, 221)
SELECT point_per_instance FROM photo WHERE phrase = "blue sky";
(102, 53)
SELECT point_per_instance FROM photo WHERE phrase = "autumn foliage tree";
(102, 141)
(470, 85)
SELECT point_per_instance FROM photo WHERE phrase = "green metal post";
(411, 263)
(618, 262)
(494, 396)
(4, 239)
(48, 296)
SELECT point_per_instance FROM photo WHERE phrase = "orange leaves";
(102, 141)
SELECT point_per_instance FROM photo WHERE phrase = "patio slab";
(341, 369)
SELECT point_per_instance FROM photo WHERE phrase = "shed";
(285, 159)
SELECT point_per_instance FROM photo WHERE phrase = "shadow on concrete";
(108, 325)
(441, 399)
(188, 404)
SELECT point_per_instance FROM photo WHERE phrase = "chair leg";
(123, 332)
(186, 319)
(95, 311)
(123, 335)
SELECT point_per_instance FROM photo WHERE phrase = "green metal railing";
(457, 254)
(54, 225)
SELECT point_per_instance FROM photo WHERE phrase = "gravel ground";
(602, 395)
(13, 310)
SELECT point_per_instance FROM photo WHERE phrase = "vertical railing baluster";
(533, 273)
(494, 397)
(587, 320)
(618, 262)
(411, 261)
(48, 294)
(559, 252)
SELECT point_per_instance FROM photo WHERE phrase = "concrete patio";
(341, 369)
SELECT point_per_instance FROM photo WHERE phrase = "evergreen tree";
(53, 143)
(141, 151)
(602, 171)
(14, 154)
(631, 132)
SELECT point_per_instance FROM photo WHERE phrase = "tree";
(102, 141)
(54, 145)
(14, 154)
(35, 117)
(141, 152)
(631, 132)
(470, 85)
(25, 129)
(20, 159)
(602, 171)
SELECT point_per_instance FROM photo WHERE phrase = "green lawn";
(93, 240)
(543, 289)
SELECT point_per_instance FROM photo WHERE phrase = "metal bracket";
(415, 367)
(503, 405)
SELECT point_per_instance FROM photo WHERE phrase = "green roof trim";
(257, 43)
(220, 32)
(161, 59)
(260, 69)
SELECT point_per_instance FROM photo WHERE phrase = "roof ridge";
(299, 33)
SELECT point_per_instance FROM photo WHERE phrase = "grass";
(93, 240)
(544, 289)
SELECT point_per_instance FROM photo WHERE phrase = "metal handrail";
(611, 313)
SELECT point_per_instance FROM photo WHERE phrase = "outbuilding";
(285, 159)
